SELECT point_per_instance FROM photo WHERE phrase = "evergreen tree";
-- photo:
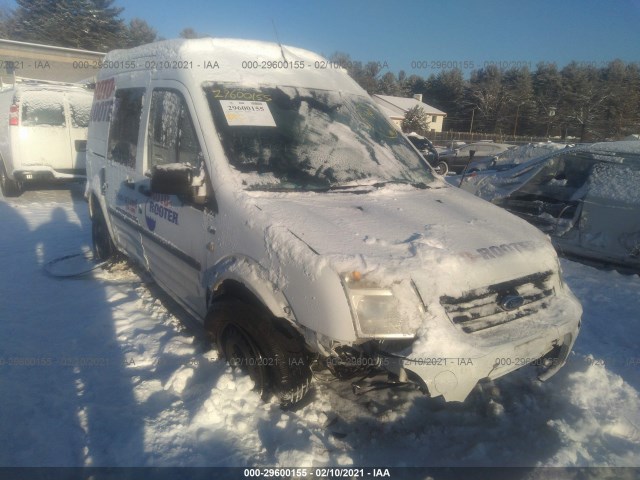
(547, 88)
(416, 120)
(139, 32)
(189, 32)
(488, 96)
(87, 24)
(520, 106)
(445, 91)
(582, 101)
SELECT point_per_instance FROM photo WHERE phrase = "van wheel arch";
(233, 289)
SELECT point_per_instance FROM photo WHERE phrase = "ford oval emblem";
(511, 302)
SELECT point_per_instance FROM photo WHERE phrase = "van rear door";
(44, 134)
(79, 111)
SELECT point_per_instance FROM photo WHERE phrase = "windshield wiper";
(356, 188)
(420, 185)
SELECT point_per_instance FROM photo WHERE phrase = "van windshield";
(286, 138)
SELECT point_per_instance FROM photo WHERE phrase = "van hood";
(414, 231)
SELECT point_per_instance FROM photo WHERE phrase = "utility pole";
(473, 112)
(515, 124)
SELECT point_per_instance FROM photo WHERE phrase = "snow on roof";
(246, 62)
(389, 111)
(15, 43)
(400, 105)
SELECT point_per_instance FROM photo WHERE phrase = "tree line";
(579, 100)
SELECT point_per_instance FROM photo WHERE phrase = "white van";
(43, 132)
(266, 192)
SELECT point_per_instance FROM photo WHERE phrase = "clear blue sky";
(402, 31)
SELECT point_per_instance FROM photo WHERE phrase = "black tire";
(270, 350)
(442, 168)
(103, 247)
(10, 188)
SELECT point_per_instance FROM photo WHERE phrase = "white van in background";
(43, 132)
(270, 196)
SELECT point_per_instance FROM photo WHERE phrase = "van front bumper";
(455, 378)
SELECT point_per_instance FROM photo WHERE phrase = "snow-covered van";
(265, 191)
(43, 132)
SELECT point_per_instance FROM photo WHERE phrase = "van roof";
(200, 56)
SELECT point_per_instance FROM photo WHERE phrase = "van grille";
(481, 309)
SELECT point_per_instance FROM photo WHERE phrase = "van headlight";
(376, 311)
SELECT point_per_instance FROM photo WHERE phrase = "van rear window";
(43, 108)
(80, 108)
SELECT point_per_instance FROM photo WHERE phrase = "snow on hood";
(399, 232)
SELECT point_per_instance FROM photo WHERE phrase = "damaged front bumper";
(454, 378)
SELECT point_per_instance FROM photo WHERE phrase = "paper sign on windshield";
(255, 114)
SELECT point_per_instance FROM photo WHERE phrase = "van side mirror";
(172, 179)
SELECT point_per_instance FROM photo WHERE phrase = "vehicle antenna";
(278, 40)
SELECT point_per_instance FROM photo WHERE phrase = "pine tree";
(139, 32)
(86, 24)
(416, 120)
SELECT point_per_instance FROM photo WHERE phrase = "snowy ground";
(102, 371)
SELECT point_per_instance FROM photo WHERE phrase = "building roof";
(399, 106)
(46, 62)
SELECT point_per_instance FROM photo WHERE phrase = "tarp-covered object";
(586, 198)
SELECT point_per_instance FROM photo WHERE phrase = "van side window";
(42, 108)
(172, 137)
(125, 125)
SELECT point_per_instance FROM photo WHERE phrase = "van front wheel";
(268, 349)
(10, 188)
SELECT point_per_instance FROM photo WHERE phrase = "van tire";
(103, 246)
(270, 350)
(10, 188)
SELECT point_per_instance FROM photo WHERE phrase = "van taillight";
(13, 114)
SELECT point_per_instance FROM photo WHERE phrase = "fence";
(444, 137)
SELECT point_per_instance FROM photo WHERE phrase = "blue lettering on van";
(158, 207)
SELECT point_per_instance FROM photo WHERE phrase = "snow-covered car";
(587, 198)
(283, 210)
(43, 132)
(515, 156)
(458, 158)
(429, 152)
